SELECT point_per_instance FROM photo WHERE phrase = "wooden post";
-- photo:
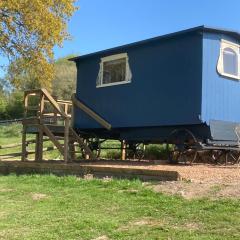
(123, 149)
(24, 134)
(24, 146)
(66, 108)
(66, 139)
(39, 145)
(39, 135)
(72, 150)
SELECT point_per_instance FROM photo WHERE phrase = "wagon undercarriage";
(182, 146)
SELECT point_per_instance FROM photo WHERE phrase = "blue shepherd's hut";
(155, 89)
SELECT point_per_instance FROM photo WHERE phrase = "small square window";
(114, 70)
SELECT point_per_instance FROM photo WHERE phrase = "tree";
(14, 107)
(64, 81)
(22, 78)
(29, 30)
(64, 77)
(3, 100)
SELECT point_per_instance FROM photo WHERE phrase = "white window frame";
(128, 76)
(220, 68)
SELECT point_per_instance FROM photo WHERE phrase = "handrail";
(54, 103)
(91, 113)
(64, 101)
(50, 99)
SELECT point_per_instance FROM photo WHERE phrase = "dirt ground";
(203, 181)
(198, 180)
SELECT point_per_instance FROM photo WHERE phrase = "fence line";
(2, 122)
(18, 154)
(13, 145)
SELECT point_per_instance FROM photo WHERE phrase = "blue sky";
(101, 24)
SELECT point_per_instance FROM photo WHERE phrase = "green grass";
(12, 133)
(49, 207)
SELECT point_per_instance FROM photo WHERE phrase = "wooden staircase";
(46, 117)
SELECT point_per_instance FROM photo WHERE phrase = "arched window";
(230, 61)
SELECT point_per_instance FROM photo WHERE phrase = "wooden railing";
(41, 99)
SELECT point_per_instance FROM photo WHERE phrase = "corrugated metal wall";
(220, 95)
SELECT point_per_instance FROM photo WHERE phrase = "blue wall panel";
(165, 88)
(220, 95)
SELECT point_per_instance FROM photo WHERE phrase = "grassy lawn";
(12, 134)
(49, 207)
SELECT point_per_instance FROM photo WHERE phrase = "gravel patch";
(198, 180)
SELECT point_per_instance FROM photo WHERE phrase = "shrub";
(3, 105)
(156, 151)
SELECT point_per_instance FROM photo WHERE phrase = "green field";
(49, 207)
(12, 133)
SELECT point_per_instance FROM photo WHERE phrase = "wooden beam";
(72, 150)
(24, 145)
(123, 149)
(81, 143)
(39, 135)
(53, 103)
(66, 139)
(91, 113)
(53, 139)
(30, 121)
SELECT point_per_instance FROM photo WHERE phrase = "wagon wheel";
(136, 151)
(179, 154)
(95, 146)
(184, 150)
(232, 157)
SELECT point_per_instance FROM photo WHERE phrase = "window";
(114, 70)
(228, 64)
(230, 61)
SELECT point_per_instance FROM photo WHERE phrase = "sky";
(102, 24)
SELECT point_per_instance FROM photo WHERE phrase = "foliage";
(64, 77)
(14, 108)
(64, 81)
(28, 32)
(3, 106)
(3, 103)
(72, 208)
(21, 76)
(156, 151)
(152, 152)
(11, 131)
